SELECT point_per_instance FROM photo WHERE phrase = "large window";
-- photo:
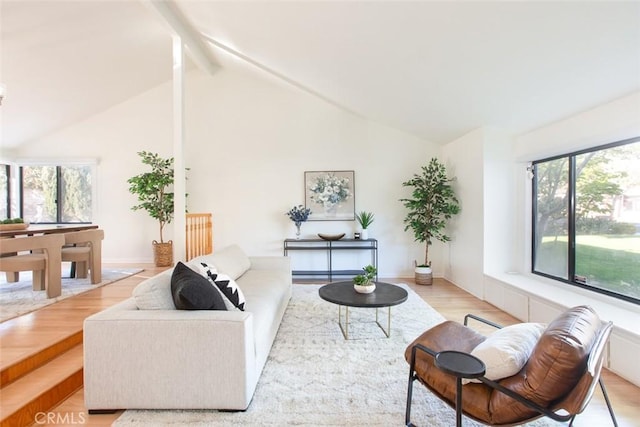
(56, 194)
(586, 219)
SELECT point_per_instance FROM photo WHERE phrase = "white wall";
(611, 122)
(615, 121)
(113, 138)
(463, 158)
(482, 235)
(501, 177)
(493, 230)
(248, 142)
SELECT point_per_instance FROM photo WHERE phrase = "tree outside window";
(57, 194)
(587, 219)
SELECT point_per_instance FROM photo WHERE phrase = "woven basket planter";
(163, 253)
(423, 276)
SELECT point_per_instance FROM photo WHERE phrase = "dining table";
(36, 229)
(39, 229)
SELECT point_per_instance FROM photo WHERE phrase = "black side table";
(461, 365)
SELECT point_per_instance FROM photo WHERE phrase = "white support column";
(179, 185)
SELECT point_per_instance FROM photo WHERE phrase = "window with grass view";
(587, 219)
(56, 194)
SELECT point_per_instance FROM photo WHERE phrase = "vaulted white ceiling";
(433, 69)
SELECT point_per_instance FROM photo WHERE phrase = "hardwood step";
(42, 389)
(41, 362)
(34, 360)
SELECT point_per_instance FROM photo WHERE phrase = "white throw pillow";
(230, 260)
(155, 293)
(507, 350)
(229, 290)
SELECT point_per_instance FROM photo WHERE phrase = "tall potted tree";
(152, 189)
(432, 204)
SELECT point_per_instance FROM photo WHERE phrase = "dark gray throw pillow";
(191, 291)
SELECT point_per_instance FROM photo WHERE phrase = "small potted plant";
(364, 283)
(13, 224)
(364, 219)
(298, 214)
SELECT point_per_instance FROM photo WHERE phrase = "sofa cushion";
(155, 293)
(191, 291)
(229, 290)
(231, 261)
(507, 350)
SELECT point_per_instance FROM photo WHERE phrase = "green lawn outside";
(608, 262)
(618, 243)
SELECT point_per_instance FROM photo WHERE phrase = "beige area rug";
(313, 377)
(19, 298)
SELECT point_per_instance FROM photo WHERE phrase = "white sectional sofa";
(144, 354)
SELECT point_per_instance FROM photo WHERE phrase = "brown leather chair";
(43, 259)
(558, 379)
(84, 248)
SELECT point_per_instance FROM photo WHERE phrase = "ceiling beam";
(178, 23)
(278, 75)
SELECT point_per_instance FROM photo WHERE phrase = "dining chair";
(84, 249)
(43, 258)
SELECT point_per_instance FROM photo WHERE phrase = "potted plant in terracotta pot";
(432, 204)
(153, 192)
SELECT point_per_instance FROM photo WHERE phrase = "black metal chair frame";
(541, 410)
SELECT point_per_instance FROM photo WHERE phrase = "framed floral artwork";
(330, 195)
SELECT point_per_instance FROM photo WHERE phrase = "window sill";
(623, 314)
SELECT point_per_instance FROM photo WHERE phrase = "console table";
(331, 246)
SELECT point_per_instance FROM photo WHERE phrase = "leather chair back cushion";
(556, 365)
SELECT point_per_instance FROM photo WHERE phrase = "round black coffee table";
(343, 294)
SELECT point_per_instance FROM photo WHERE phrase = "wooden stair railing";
(199, 232)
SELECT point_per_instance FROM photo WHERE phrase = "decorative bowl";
(331, 236)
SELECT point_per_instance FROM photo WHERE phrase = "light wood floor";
(453, 303)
